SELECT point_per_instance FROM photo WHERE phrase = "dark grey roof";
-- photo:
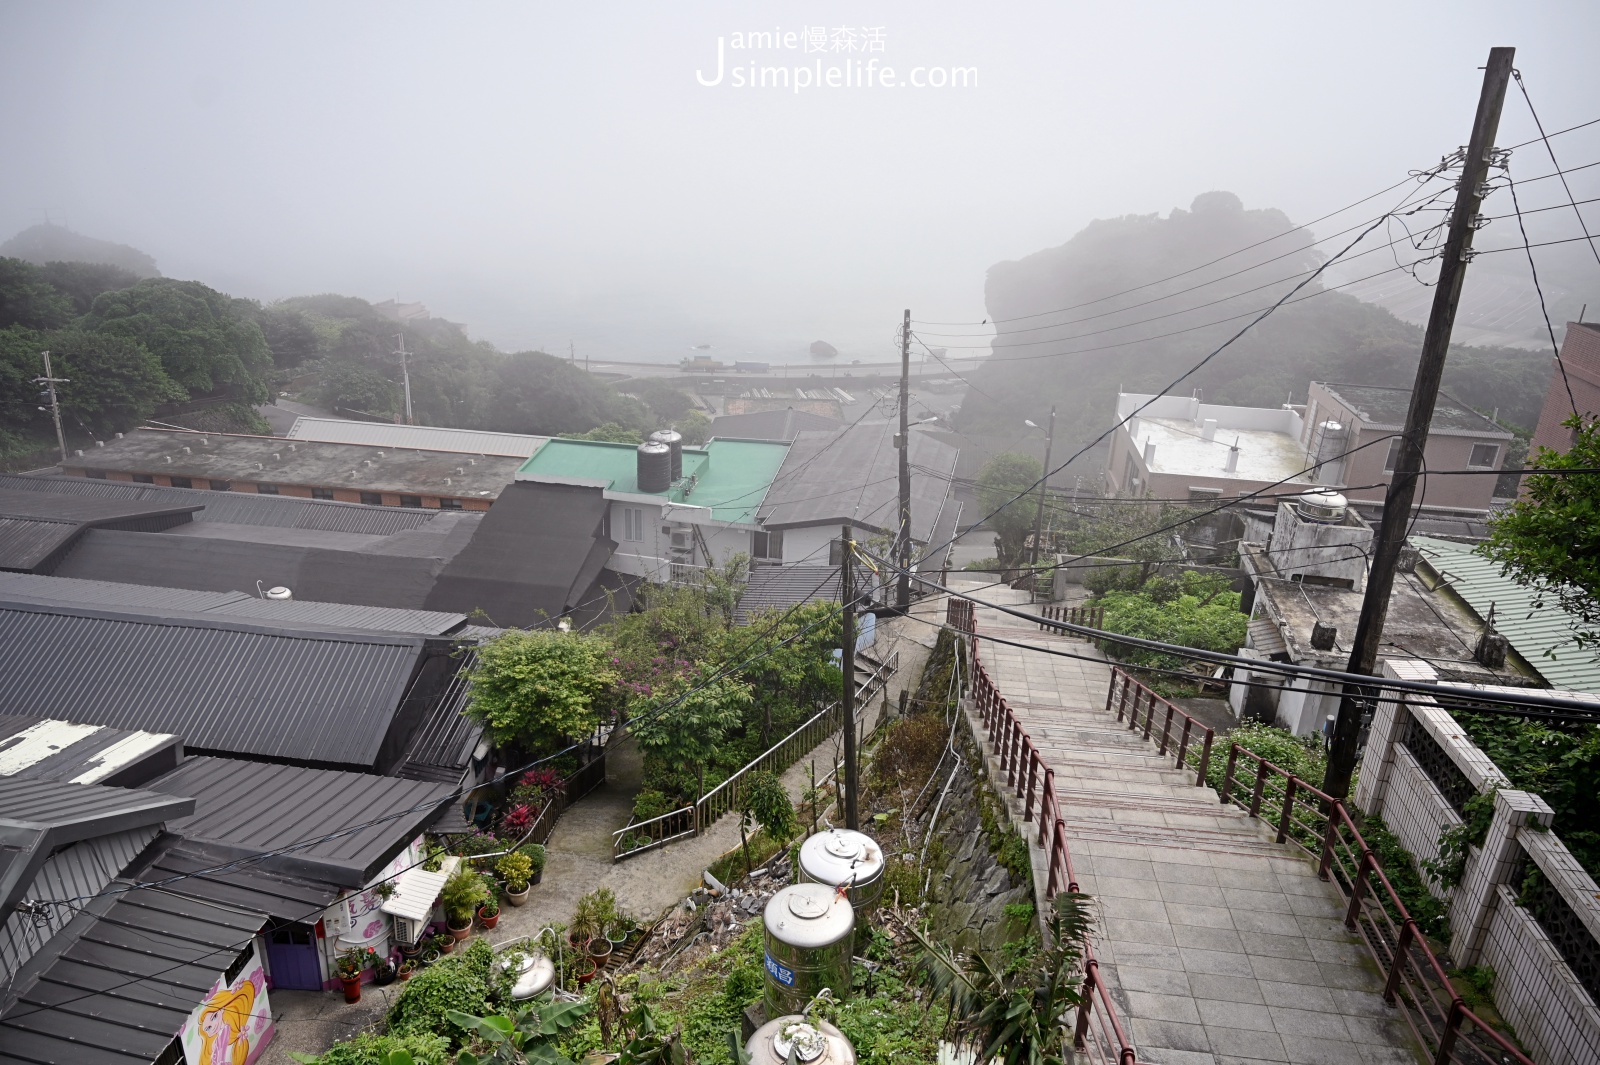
(783, 425)
(294, 612)
(252, 807)
(238, 508)
(1386, 407)
(35, 748)
(124, 981)
(223, 685)
(932, 555)
(36, 530)
(537, 551)
(782, 587)
(281, 896)
(852, 475)
(441, 749)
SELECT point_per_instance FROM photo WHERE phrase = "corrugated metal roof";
(239, 508)
(126, 985)
(81, 810)
(232, 604)
(78, 871)
(781, 587)
(224, 685)
(851, 475)
(422, 437)
(442, 748)
(1543, 636)
(254, 806)
(278, 895)
(782, 425)
(26, 542)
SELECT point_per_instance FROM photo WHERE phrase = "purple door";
(292, 957)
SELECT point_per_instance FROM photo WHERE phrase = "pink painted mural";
(234, 1023)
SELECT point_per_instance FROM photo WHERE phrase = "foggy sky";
(546, 173)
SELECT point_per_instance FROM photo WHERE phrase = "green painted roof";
(729, 476)
(1532, 630)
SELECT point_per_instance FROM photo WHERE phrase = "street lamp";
(1044, 487)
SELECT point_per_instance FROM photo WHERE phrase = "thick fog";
(555, 173)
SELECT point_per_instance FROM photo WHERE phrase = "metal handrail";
(1098, 1031)
(700, 815)
(1122, 683)
(1090, 617)
(1414, 979)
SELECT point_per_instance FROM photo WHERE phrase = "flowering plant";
(353, 962)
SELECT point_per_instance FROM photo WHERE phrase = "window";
(767, 544)
(449, 504)
(322, 493)
(266, 489)
(411, 501)
(372, 499)
(181, 482)
(1483, 455)
(220, 486)
(1393, 458)
(633, 524)
(144, 478)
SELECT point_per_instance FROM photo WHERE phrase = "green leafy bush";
(1302, 756)
(465, 981)
(539, 689)
(1193, 610)
(369, 1048)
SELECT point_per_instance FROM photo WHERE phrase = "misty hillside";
(47, 243)
(1070, 334)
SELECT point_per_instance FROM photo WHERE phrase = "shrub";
(369, 1048)
(462, 981)
(536, 689)
(1301, 755)
(517, 820)
(461, 895)
(652, 803)
(516, 869)
(910, 749)
(1193, 611)
(536, 855)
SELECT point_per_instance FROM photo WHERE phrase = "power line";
(1534, 271)
(1517, 74)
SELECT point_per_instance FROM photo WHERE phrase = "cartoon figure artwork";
(234, 1023)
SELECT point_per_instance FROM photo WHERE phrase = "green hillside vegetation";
(1331, 337)
(134, 347)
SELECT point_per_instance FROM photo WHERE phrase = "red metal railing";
(1126, 695)
(1413, 978)
(1097, 1031)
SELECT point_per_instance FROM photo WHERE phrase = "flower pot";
(578, 943)
(584, 971)
(538, 876)
(412, 950)
(447, 945)
(383, 977)
(459, 934)
(489, 920)
(519, 898)
(407, 970)
(352, 988)
(599, 949)
(430, 955)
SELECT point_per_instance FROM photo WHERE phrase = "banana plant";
(527, 1037)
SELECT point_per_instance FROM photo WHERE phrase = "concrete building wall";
(1580, 355)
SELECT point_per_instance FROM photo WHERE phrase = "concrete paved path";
(1220, 945)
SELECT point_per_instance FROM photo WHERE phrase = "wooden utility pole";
(1044, 491)
(902, 554)
(847, 665)
(1424, 392)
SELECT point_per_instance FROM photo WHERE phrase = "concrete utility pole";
(405, 373)
(50, 380)
(847, 664)
(902, 554)
(1044, 490)
(1424, 392)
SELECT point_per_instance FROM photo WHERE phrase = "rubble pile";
(711, 917)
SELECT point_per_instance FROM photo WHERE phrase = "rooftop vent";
(460, 470)
(1233, 457)
(448, 481)
(99, 443)
(1208, 429)
(259, 466)
(187, 450)
(1323, 636)
(1322, 508)
(79, 452)
(292, 447)
(1149, 453)
(366, 462)
(277, 456)
(168, 458)
(204, 442)
(280, 593)
(119, 436)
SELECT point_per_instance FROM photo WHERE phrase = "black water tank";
(655, 467)
(673, 439)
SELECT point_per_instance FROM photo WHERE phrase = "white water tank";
(841, 855)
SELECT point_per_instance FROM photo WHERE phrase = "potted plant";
(585, 922)
(536, 855)
(407, 968)
(444, 943)
(584, 969)
(351, 964)
(600, 949)
(489, 913)
(382, 972)
(432, 954)
(516, 869)
(460, 897)
(413, 950)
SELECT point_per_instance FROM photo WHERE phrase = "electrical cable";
(1582, 225)
(1544, 310)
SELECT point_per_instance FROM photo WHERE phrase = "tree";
(1000, 481)
(82, 282)
(206, 341)
(1550, 539)
(538, 690)
(112, 383)
(351, 386)
(666, 401)
(690, 716)
(764, 802)
(695, 426)
(611, 433)
(28, 300)
(291, 337)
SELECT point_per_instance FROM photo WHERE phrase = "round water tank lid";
(842, 846)
(807, 907)
(808, 1043)
(1328, 500)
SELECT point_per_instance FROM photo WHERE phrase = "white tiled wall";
(1535, 991)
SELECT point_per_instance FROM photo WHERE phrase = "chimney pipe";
(1233, 457)
(1149, 453)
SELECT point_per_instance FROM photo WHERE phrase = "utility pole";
(405, 373)
(902, 597)
(50, 380)
(847, 664)
(1424, 392)
(1044, 490)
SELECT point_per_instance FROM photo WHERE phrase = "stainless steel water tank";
(655, 467)
(834, 856)
(820, 1043)
(809, 935)
(674, 440)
